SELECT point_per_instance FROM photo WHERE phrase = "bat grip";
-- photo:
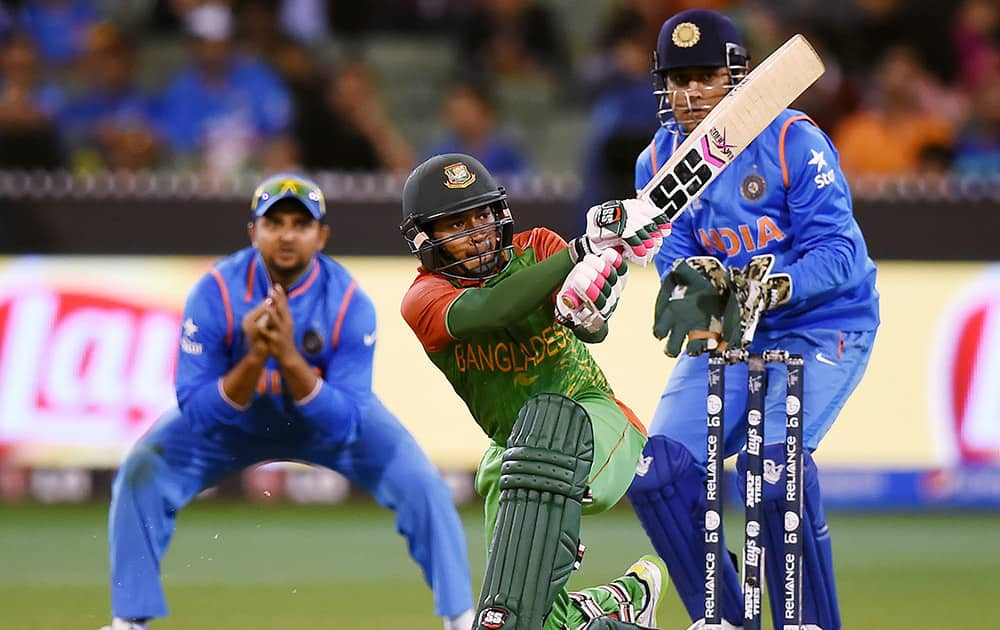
(570, 299)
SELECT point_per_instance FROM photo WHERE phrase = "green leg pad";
(543, 479)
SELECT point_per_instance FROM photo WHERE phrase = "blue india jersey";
(334, 331)
(784, 195)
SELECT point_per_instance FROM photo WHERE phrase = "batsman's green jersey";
(497, 369)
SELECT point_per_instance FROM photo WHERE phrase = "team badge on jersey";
(753, 186)
(312, 342)
(458, 175)
(686, 35)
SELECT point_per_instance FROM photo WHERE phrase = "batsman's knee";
(550, 448)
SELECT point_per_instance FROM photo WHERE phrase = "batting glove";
(653, 221)
(590, 293)
(612, 225)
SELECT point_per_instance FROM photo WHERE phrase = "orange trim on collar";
(302, 288)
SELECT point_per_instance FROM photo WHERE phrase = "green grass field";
(242, 567)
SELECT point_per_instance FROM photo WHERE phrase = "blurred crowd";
(912, 86)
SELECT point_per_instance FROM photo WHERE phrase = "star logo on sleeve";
(818, 160)
(188, 345)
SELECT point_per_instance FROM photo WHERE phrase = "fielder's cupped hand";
(279, 327)
(253, 331)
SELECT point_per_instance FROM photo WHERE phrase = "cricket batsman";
(769, 257)
(484, 306)
(275, 363)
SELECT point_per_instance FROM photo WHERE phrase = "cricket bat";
(733, 124)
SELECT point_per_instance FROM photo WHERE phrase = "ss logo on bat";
(687, 179)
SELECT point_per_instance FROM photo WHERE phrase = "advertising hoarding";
(88, 346)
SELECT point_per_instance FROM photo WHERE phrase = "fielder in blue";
(771, 246)
(275, 363)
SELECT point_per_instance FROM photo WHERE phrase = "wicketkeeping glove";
(695, 297)
(758, 290)
(633, 227)
(590, 293)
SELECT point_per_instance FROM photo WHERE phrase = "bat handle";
(570, 299)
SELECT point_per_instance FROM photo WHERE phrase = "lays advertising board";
(88, 347)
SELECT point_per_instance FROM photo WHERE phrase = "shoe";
(124, 624)
(652, 574)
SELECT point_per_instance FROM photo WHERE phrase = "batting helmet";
(696, 38)
(447, 185)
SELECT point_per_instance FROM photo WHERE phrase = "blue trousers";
(173, 463)
(834, 365)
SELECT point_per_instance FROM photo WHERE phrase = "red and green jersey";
(496, 371)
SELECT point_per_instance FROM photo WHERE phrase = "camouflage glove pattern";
(757, 290)
(693, 302)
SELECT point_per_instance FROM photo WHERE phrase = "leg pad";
(543, 480)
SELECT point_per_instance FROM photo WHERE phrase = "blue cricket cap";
(288, 186)
(697, 37)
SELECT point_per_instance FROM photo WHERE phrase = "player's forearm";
(824, 268)
(300, 379)
(240, 382)
(508, 301)
(219, 399)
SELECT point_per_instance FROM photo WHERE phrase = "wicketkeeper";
(768, 257)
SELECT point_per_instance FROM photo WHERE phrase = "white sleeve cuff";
(308, 398)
